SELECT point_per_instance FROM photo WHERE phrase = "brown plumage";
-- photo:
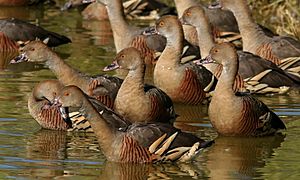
(183, 82)
(8, 50)
(103, 87)
(135, 100)
(222, 21)
(236, 114)
(41, 109)
(135, 143)
(250, 65)
(275, 49)
(125, 34)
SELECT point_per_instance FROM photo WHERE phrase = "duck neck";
(171, 55)
(251, 33)
(182, 5)
(123, 33)
(105, 134)
(65, 73)
(227, 78)
(205, 38)
(134, 81)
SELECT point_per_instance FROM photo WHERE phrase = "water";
(27, 152)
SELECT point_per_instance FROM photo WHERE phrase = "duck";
(185, 83)
(281, 50)
(135, 100)
(271, 79)
(21, 31)
(237, 114)
(20, 2)
(41, 107)
(133, 9)
(223, 22)
(102, 87)
(138, 142)
(126, 35)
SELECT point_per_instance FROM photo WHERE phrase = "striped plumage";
(255, 74)
(102, 87)
(183, 82)
(135, 100)
(274, 49)
(8, 50)
(41, 109)
(7, 44)
(236, 114)
(132, 142)
(40, 105)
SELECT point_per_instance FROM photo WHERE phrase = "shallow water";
(27, 152)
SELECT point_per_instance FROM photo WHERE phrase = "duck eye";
(32, 49)
(66, 94)
(161, 23)
(216, 50)
(54, 93)
(122, 56)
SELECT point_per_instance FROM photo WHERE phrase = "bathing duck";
(138, 142)
(135, 100)
(260, 75)
(40, 106)
(237, 114)
(37, 51)
(184, 82)
(48, 116)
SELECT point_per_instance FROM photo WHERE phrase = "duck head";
(191, 16)
(33, 51)
(128, 59)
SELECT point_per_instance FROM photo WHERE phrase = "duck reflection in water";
(125, 171)
(60, 147)
(50, 152)
(240, 157)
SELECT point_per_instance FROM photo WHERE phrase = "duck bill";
(182, 21)
(64, 112)
(112, 66)
(150, 31)
(21, 58)
(206, 60)
(70, 4)
(87, 1)
(215, 5)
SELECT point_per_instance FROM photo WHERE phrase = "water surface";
(27, 152)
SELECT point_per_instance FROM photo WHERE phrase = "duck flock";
(215, 56)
